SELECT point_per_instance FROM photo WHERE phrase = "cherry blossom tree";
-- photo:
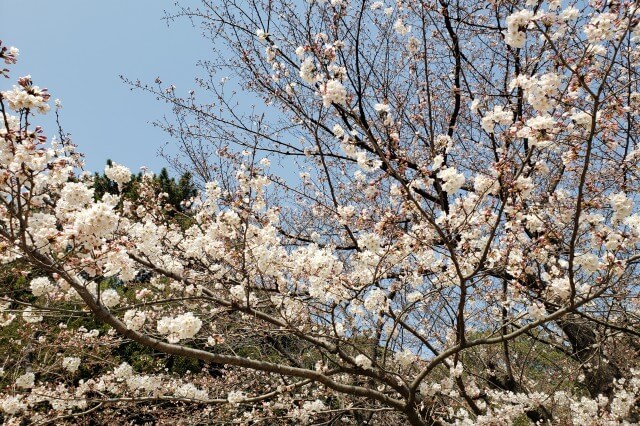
(426, 215)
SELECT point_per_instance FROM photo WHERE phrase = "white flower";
(561, 287)
(74, 196)
(499, 116)
(12, 404)
(484, 184)
(308, 71)
(456, 371)
(429, 389)
(182, 327)
(516, 25)
(570, 13)
(582, 119)
(601, 27)
(144, 383)
(405, 358)
(376, 301)
(524, 185)
(235, 397)
(134, 319)
(262, 35)
(534, 224)
(95, 223)
(541, 122)
(438, 161)
(588, 261)
(537, 311)
(413, 45)
(271, 52)
(452, 180)
(6, 319)
(237, 292)
(400, 27)
(31, 316)
(333, 92)
(346, 213)
(190, 391)
(34, 99)
(71, 364)
(621, 205)
(123, 371)
(314, 406)
(41, 286)
(444, 142)
(475, 105)
(540, 91)
(376, 5)
(363, 361)
(110, 298)
(384, 108)
(633, 222)
(117, 173)
(26, 381)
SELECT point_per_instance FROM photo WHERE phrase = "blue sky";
(79, 48)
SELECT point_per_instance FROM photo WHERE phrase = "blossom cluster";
(27, 96)
(182, 327)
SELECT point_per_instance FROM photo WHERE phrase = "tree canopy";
(418, 212)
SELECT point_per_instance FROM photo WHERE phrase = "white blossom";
(601, 27)
(190, 391)
(33, 99)
(363, 361)
(561, 287)
(12, 404)
(333, 92)
(452, 180)
(182, 327)
(236, 397)
(497, 116)
(537, 311)
(26, 381)
(118, 173)
(110, 298)
(94, 223)
(400, 27)
(71, 364)
(262, 35)
(621, 205)
(134, 319)
(517, 23)
(384, 108)
(404, 358)
(376, 301)
(123, 371)
(32, 316)
(308, 70)
(41, 286)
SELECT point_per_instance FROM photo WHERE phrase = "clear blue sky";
(78, 48)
